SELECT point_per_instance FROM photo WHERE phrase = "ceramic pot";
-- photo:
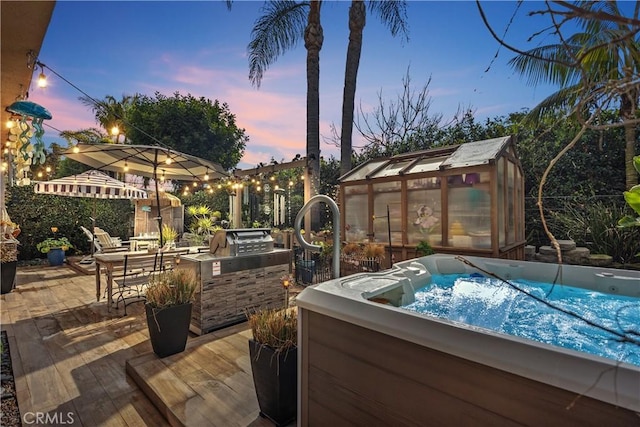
(55, 256)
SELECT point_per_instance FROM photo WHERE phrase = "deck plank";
(71, 356)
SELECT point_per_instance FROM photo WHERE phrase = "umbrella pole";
(155, 179)
(93, 236)
(93, 228)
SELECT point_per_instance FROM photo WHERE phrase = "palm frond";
(279, 29)
(561, 101)
(393, 14)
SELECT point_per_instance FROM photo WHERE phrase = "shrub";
(595, 226)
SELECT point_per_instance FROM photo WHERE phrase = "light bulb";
(42, 80)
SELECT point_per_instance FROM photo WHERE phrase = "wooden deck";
(74, 361)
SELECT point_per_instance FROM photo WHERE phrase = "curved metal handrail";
(297, 226)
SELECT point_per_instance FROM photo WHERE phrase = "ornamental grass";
(275, 328)
(174, 287)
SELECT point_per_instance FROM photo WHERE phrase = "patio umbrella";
(152, 161)
(92, 184)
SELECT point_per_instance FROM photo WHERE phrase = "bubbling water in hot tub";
(492, 304)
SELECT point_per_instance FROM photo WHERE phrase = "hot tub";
(363, 362)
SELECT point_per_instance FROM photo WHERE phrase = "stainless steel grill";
(240, 273)
(244, 241)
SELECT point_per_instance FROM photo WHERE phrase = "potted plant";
(274, 355)
(169, 235)
(424, 248)
(168, 309)
(54, 247)
(373, 254)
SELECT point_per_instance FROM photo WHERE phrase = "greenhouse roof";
(464, 155)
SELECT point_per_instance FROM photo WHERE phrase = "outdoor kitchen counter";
(231, 286)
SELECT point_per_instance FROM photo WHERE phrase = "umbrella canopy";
(93, 183)
(147, 160)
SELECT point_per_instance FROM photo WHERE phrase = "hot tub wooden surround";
(352, 375)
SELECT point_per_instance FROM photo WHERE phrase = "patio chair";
(137, 272)
(96, 248)
(109, 243)
(134, 278)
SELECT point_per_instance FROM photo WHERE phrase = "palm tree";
(277, 30)
(595, 68)
(393, 14)
(110, 113)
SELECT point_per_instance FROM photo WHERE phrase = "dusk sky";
(200, 48)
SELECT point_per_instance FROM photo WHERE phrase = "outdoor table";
(112, 260)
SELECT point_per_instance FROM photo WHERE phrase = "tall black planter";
(168, 328)
(275, 376)
(8, 276)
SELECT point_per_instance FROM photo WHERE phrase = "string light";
(42, 79)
